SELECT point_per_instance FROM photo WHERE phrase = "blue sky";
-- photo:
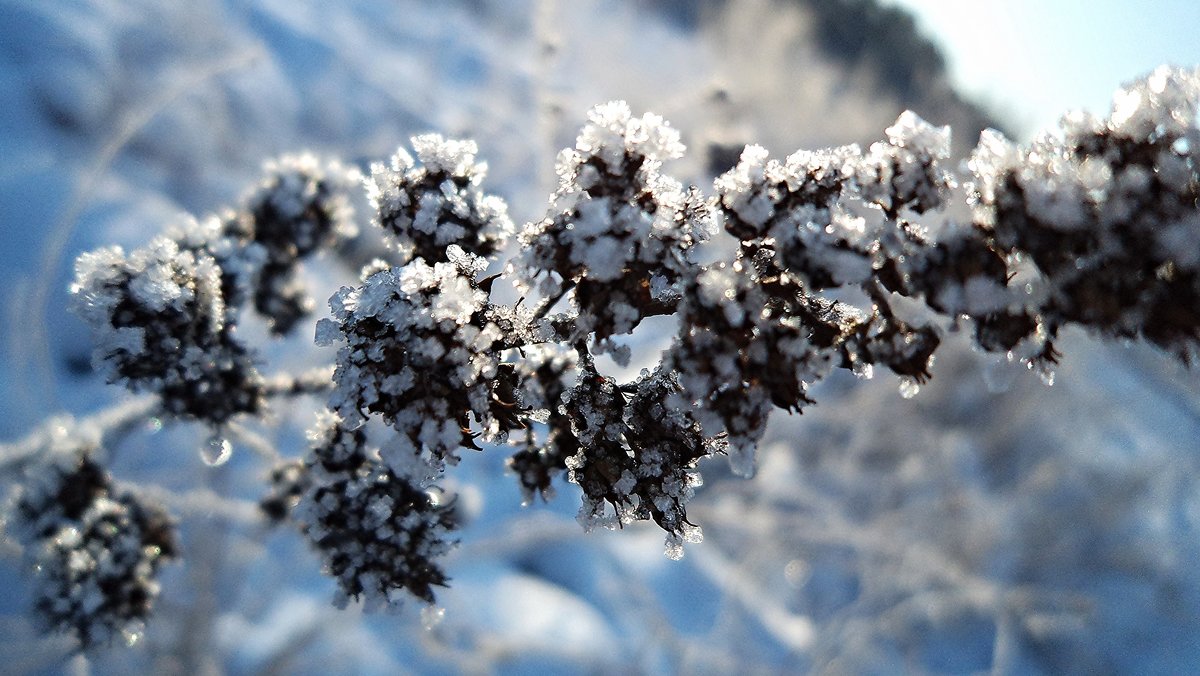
(1033, 60)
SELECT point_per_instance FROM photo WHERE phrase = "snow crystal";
(216, 451)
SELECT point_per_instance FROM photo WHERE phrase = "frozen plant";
(94, 549)
(829, 267)
(425, 205)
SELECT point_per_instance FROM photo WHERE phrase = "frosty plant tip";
(1096, 226)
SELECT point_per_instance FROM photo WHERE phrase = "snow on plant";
(830, 268)
(379, 532)
(423, 206)
(95, 550)
(619, 232)
(299, 208)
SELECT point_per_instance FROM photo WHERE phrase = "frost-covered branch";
(833, 262)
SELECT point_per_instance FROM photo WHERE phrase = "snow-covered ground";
(991, 523)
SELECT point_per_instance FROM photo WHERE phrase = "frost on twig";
(1108, 214)
(830, 267)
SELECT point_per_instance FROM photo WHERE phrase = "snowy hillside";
(991, 523)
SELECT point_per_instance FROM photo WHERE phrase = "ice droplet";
(742, 460)
(216, 451)
(673, 547)
(797, 572)
(1047, 376)
(909, 388)
(132, 635)
(674, 551)
(432, 616)
(999, 375)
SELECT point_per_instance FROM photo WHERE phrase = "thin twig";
(109, 424)
(315, 381)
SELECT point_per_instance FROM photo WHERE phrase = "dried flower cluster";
(637, 454)
(95, 550)
(427, 205)
(165, 316)
(300, 208)
(162, 325)
(1108, 215)
(379, 532)
(619, 232)
(829, 268)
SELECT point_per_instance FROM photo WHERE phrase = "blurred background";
(991, 524)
